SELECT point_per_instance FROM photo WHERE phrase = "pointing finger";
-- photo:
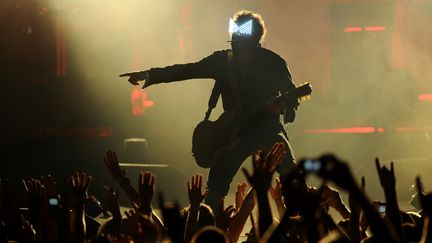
(125, 74)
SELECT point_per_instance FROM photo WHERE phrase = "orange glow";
(375, 28)
(353, 29)
(345, 130)
(425, 97)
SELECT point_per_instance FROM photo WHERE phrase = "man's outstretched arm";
(206, 68)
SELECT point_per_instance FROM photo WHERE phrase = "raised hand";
(331, 198)
(171, 217)
(425, 199)
(196, 196)
(224, 216)
(79, 185)
(36, 195)
(264, 167)
(337, 171)
(386, 176)
(27, 233)
(132, 215)
(112, 164)
(50, 184)
(240, 195)
(146, 186)
(112, 204)
(275, 192)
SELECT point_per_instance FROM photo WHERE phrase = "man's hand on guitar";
(134, 77)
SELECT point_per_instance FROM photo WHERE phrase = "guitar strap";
(234, 83)
(214, 97)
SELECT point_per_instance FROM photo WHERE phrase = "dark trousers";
(225, 168)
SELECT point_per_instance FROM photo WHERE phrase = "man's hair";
(258, 27)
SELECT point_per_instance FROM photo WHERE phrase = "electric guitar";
(212, 138)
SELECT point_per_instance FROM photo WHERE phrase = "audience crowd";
(302, 210)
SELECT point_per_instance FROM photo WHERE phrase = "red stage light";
(375, 28)
(353, 29)
(351, 130)
(425, 97)
(367, 28)
(140, 101)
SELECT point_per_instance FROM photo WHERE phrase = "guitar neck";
(285, 97)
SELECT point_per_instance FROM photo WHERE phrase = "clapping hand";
(196, 196)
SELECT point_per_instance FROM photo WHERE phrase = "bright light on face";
(244, 29)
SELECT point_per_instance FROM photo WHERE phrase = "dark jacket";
(266, 76)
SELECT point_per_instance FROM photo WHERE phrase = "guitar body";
(212, 138)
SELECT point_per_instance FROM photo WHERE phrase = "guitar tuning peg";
(304, 98)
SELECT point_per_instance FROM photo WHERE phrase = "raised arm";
(388, 182)
(119, 175)
(196, 197)
(79, 183)
(260, 180)
(340, 174)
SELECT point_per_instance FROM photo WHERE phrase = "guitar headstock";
(301, 93)
(304, 91)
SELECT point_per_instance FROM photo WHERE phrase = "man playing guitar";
(247, 77)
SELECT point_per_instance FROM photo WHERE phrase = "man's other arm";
(286, 85)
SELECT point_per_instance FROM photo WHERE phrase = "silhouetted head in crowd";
(205, 215)
(210, 234)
